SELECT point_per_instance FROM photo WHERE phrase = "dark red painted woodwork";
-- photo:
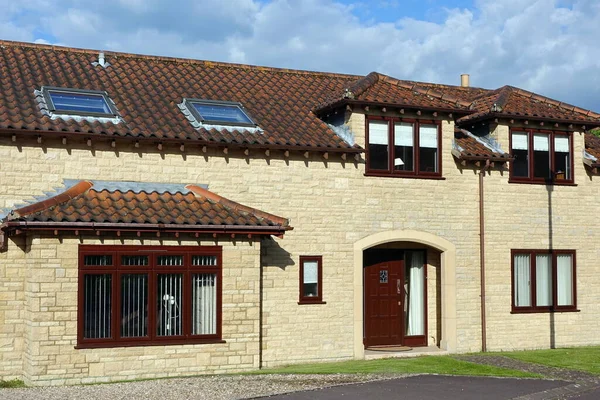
(383, 304)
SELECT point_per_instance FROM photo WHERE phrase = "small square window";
(219, 112)
(311, 278)
(78, 102)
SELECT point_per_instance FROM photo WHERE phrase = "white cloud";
(548, 46)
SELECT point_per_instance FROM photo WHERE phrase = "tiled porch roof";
(468, 146)
(100, 204)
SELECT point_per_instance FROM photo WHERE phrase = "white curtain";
(428, 136)
(403, 134)
(541, 143)
(522, 280)
(564, 279)
(416, 293)
(378, 132)
(204, 304)
(519, 141)
(543, 277)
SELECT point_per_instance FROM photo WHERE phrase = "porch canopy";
(117, 207)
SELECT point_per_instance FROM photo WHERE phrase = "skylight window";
(79, 102)
(218, 112)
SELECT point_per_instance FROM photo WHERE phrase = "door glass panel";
(414, 293)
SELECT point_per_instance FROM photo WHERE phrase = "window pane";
(79, 103)
(403, 147)
(428, 151)
(134, 305)
(378, 145)
(204, 260)
(97, 261)
(222, 113)
(520, 151)
(134, 260)
(169, 302)
(562, 157)
(543, 278)
(310, 279)
(541, 156)
(564, 279)
(204, 304)
(522, 284)
(170, 260)
(97, 303)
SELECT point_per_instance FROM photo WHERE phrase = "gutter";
(133, 139)
(482, 255)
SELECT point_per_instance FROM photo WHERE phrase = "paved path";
(432, 387)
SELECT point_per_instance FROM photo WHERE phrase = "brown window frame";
(391, 172)
(318, 299)
(152, 270)
(533, 308)
(554, 180)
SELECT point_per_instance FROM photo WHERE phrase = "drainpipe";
(482, 254)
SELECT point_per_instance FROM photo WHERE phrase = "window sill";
(144, 344)
(526, 182)
(543, 311)
(388, 175)
(305, 302)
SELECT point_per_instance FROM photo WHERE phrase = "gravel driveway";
(210, 387)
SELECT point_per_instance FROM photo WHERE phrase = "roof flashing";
(47, 94)
(233, 115)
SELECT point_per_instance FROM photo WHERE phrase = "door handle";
(398, 286)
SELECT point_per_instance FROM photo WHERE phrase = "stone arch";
(448, 281)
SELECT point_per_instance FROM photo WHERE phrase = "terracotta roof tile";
(472, 147)
(192, 205)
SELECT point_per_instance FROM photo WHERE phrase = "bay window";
(143, 295)
(543, 280)
(402, 147)
(541, 156)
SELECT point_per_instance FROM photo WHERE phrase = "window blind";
(403, 134)
(519, 141)
(428, 136)
(378, 132)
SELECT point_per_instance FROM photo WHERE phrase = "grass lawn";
(585, 359)
(424, 365)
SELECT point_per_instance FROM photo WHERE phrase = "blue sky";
(547, 46)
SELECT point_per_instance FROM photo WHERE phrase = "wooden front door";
(383, 284)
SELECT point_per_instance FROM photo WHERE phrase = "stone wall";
(331, 205)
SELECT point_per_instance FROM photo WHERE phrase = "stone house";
(171, 217)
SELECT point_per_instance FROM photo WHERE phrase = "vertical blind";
(134, 305)
(97, 306)
(204, 304)
(169, 297)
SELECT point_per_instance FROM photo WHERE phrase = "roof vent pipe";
(464, 80)
(101, 61)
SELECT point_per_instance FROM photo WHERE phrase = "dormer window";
(92, 103)
(218, 112)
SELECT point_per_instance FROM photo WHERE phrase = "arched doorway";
(384, 278)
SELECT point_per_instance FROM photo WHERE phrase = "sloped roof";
(146, 91)
(99, 204)
(509, 101)
(470, 147)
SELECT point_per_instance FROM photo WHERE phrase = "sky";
(551, 47)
